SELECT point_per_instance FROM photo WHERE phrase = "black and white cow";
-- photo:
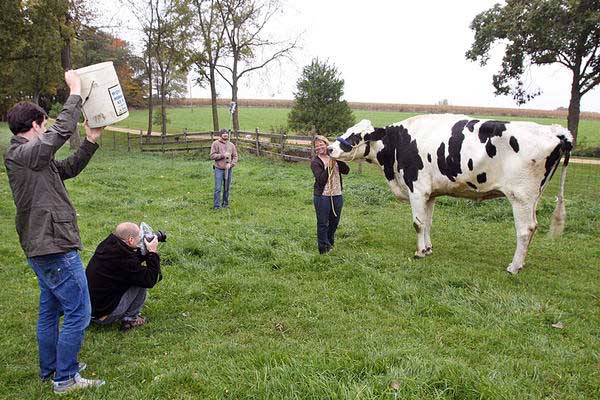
(433, 155)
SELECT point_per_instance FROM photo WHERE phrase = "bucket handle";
(89, 93)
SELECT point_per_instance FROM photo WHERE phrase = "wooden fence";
(286, 147)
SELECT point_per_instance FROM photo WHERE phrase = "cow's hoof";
(418, 256)
(513, 270)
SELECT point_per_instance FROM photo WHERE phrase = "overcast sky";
(397, 52)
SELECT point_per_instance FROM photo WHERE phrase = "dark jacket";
(321, 174)
(114, 268)
(45, 220)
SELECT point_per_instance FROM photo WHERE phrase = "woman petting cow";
(328, 198)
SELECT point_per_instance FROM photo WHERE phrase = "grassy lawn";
(357, 323)
(200, 119)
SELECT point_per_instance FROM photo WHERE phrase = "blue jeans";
(63, 291)
(219, 183)
(327, 221)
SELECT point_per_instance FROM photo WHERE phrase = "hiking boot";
(82, 367)
(76, 383)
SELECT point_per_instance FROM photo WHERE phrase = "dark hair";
(21, 116)
(222, 131)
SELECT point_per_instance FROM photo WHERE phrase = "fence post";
(185, 139)
(162, 146)
(141, 141)
(212, 136)
(282, 142)
(128, 142)
(114, 141)
(257, 143)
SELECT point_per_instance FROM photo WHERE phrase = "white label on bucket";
(118, 100)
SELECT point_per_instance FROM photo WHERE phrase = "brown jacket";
(46, 220)
(218, 150)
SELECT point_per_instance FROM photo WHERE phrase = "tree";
(318, 101)
(169, 48)
(248, 46)
(542, 32)
(210, 34)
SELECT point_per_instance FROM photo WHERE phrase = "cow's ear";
(377, 134)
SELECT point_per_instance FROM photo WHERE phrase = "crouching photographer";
(117, 277)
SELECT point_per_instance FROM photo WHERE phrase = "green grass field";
(200, 119)
(363, 322)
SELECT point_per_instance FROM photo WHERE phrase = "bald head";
(127, 230)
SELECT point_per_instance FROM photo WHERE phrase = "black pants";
(327, 221)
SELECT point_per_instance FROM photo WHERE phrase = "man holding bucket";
(47, 227)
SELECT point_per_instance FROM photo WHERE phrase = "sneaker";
(130, 324)
(82, 367)
(78, 382)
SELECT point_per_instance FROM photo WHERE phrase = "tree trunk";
(574, 108)
(65, 60)
(163, 111)
(234, 98)
(213, 99)
(150, 102)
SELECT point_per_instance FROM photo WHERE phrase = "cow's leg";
(419, 214)
(525, 225)
(429, 211)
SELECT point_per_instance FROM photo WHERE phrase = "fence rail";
(585, 174)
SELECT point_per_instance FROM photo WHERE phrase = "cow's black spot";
(551, 164)
(353, 139)
(399, 147)
(472, 185)
(490, 149)
(470, 164)
(487, 131)
(367, 149)
(377, 134)
(514, 144)
(450, 165)
(482, 178)
(428, 157)
(471, 124)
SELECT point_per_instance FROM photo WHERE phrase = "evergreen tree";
(318, 101)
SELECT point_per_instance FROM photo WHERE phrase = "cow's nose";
(329, 150)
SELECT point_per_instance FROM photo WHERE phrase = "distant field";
(267, 119)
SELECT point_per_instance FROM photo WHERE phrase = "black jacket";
(321, 174)
(46, 220)
(114, 268)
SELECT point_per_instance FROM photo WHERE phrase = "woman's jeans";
(219, 183)
(63, 291)
(327, 221)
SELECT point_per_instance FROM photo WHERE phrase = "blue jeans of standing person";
(327, 221)
(63, 291)
(220, 183)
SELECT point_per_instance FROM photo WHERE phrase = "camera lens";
(161, 236)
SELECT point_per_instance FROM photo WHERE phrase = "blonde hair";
(322, 139)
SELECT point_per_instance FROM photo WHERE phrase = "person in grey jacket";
(47, 227)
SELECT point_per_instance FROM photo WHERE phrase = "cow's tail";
(557, 226)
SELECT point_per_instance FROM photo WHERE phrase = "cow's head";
(355, 143)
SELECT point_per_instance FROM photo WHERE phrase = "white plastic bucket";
(103, 99)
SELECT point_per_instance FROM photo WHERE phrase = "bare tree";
(145, 12)
(210, 35)
(170, 47)
(249, 47)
